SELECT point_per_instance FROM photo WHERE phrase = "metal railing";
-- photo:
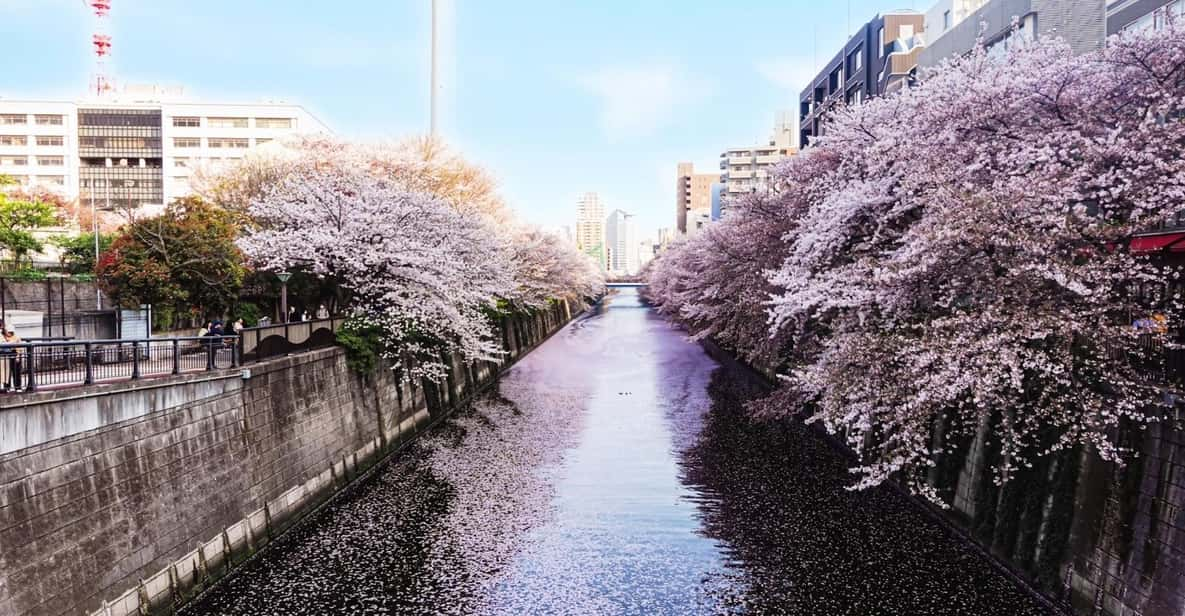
(29, 366)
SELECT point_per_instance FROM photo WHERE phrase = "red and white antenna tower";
(101, 42)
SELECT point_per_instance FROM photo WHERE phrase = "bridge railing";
(258, 343)
(29, 366)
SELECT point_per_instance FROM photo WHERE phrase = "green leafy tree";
(18, 217)
(183, 261)
(78, 252)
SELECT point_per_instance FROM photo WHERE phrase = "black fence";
(33, 365)
(63, 361)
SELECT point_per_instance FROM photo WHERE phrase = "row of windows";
(21, 119)
(120, 143)
(42, 161)
(42, 140)
(119, 117)
(216, 142)
(1159, 18)
(211, 122)
(49, 180)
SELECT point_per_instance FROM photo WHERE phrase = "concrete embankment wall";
(1095, 536)
(134, 496)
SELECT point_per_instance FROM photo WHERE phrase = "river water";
(615, 472)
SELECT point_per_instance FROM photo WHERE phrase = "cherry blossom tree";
(418, 269)
(960, 252)
(424, 269)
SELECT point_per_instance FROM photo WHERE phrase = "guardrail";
(29, 366)
(65, 362)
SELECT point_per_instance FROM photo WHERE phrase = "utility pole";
(432, 98)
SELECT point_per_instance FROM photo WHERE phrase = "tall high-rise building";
(746, 169)
(136, 153)
(693, 197)
(590, 227)
(621, 243)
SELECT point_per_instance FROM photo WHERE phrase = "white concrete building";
(746, 169)
(621, 243)
(133, 154)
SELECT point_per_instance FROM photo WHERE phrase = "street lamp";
(283, 277)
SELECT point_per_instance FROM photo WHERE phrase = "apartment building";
(1080, 23)
(880, 57)
(133, 154)
(746, 169)
(693, 198)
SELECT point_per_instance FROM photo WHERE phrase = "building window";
(262, 141)
(273, 122)
(881, 36)
(51, 180)
(857, 60)
(47, 140)
(14, 140)
(226, 122)
(186, 122)
(187, 142)
(227, 142)
(945, 21)
(181, 162)
(48, 120)
(15, 161)
(50, 161)
(13, 119)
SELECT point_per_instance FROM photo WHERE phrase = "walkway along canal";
(614, 472)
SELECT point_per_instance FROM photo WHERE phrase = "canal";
(615, 472)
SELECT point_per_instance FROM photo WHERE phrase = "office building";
(133, 154)
(746, 169)
(590, 227)
(1080, 23)
(621, 243)
(693, 197)
(882, 56)
(1136, 15)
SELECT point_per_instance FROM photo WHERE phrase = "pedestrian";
(216, 328)
(304, 316)
(7, 355)
(237, 326)
(205, 330)
(14, 359)
(292, 317)
(322, 312)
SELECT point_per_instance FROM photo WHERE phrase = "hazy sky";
(554, 97)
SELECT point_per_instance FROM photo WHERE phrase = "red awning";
(1174, 242)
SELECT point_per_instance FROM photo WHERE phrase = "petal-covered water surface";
(614, 472)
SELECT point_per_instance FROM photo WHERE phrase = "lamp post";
(283, 277)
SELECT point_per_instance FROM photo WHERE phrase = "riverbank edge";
(215, 562)
(928, 509)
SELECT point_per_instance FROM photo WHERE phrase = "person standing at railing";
(322, 312)
(13, 360)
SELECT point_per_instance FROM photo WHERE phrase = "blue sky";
(554, 97)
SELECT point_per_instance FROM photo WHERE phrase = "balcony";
(768, 160)
(739, 175)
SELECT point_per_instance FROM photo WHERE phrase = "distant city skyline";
(550, 111)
